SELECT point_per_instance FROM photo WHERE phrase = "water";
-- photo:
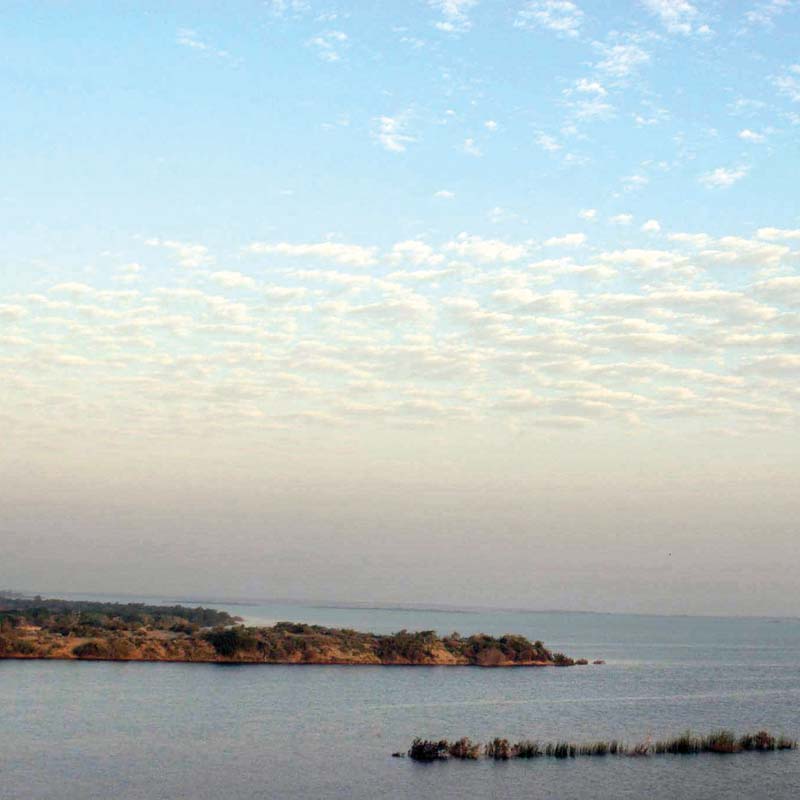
(78, 730)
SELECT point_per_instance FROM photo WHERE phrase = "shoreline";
(58, 629)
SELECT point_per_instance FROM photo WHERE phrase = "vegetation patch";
(51, 628)
(722, 741)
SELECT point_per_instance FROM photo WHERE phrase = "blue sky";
(447, 245)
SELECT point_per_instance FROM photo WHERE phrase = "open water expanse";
(83, 730)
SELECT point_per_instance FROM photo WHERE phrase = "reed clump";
(426, 750)
(528, 748)
(465, 748)
(501, 749)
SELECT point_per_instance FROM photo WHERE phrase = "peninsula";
(37, 628)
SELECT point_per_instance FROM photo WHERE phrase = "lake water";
(78, 730)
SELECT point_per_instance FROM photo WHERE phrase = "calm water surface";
(75, 731)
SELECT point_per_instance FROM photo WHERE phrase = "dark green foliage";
(117, 629)
(721, 742)
(465, 749)
(114, 648)
(89, 613)
(686, 744)
(92, 649)
(25, 647)
(594, 749)
(230, 641)
(483, 649)
(498, 749)
(407, 646)
(527, 749)
(426, 750)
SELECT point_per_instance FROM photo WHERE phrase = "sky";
(449, 301)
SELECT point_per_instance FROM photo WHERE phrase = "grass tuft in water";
(687, 743)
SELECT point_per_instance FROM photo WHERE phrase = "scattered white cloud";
(747, 135)
(547, 143)
(347, 254)
(764, 13)
(416, 253)
(12, 312)
(233, 280)
(589, 86)
(589, 214)
(189, 255)
(485, 251)
(778, 234)
(288, 7)
(788, 82)
(621, 219)
(568, 240)
(391, 133)
(621, 60)
(455, 16)
(651, 226)
(444, 194)
(560, 16)
(490, 125)
(631, 183)
(329, 45)
(471, 148)
(723, 177)
(190, 38)
(677, 16)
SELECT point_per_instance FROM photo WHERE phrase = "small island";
(38, 628)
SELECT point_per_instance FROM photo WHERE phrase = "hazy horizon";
(483, 303)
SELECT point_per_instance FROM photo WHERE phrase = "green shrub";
(426, 750)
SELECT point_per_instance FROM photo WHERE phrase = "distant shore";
(39, 628)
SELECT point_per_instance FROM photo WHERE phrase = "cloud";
(470, 148)
(329, 45)
(747, 135)
(589, 214)
(788, 83)
(444, 194)
(186, 37)
(723, 177)
(547, 143)
(778, 234)
(455, 18)
(560, 16)
(738, 251)
(764, 13)
(568, 240)
(651, 226)
(621, 219)
(621, 60)
(490, 125)
(677, 16)
(12, 312)
(189, 255)
(286, 7)
(485, 251)
(783, 291)
(415, 253)
(233, 280)
(390, 132)
(631, 183)
(647, 260)
(348, 254)
(588, 86)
